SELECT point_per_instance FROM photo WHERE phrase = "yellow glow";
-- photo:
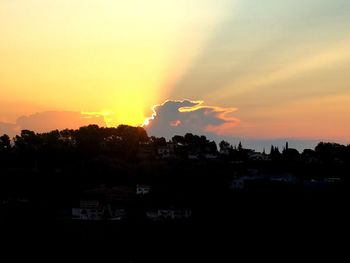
(94, 56)
(116, 58)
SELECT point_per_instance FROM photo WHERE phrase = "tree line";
(126, 142)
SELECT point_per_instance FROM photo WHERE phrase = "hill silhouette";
(96, 183)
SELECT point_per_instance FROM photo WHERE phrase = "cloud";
(51, 120)
(180, 117)
(8, 128)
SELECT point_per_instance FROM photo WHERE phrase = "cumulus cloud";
(51, 120)
(179, 117)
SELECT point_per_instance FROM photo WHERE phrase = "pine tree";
(240, 147)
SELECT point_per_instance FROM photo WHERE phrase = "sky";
(254, 70)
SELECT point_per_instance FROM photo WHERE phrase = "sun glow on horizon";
(100, 56)
(109, 61)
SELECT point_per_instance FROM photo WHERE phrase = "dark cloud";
(180, 117)
(51, 120)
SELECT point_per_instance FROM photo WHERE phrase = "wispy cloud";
(329, 57)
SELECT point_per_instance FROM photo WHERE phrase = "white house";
(116, 213)
(333, 180)
(238, 183)
(210, 156)
(93, 210)
(284, 178)
(142, 189)
(193, 156)
(169, 214)
(88, 210)
(225, 151)
(166, 152)
(255, 156)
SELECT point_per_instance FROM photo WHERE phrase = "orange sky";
(284, 65)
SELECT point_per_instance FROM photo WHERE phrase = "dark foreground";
(248, 225)
(117, 192)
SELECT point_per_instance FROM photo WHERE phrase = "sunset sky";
(257, 69)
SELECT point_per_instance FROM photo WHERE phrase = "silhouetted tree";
(5, 142)
(287, 146)
(224, 145)
(178, 139)
(240, 147)
(67, 138)
(27, 142)
(132, 135)
(328, 152)
(290, 154)
(189, 139)
(213, 147)
(88, 139)
(158, 142)
(275, 153)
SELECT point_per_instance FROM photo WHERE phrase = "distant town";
(124, 177)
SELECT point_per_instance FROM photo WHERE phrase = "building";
(237, 183)
(145, 151)
(333, 180)
(167, 151)
(169, 214)
(210, 156)
(255, 156)
(225, 151)
(115, 213)
(94, 211)
(193, 156)
(142, 189)
(315, 184)
(284, 178)
(88, 210)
